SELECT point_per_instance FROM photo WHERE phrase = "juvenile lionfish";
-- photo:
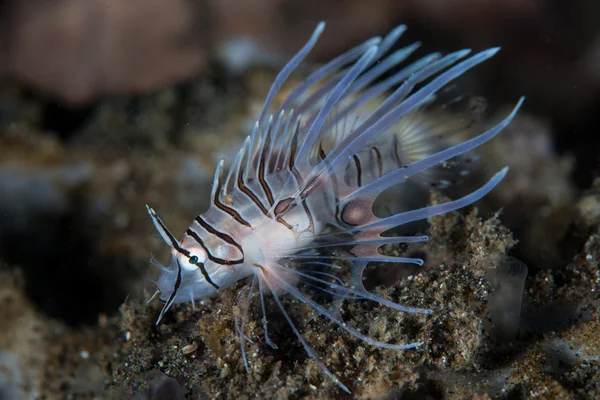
(287, 199)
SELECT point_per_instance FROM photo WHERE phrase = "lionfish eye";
(193, 260)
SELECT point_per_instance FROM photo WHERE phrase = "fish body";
(305, 180)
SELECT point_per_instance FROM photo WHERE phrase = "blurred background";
(106, 105)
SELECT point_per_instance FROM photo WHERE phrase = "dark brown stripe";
(398, 160)
(293, 146)
(284, 223)
(250, 193)
(379, 161)
(261, 268)
(358, 170)
(311, 226)
(223, 236)
(229, 210)
(176, 286)
(281, 208)
(263, 182)
(322, 153)
(206, 276)
(174, 242)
